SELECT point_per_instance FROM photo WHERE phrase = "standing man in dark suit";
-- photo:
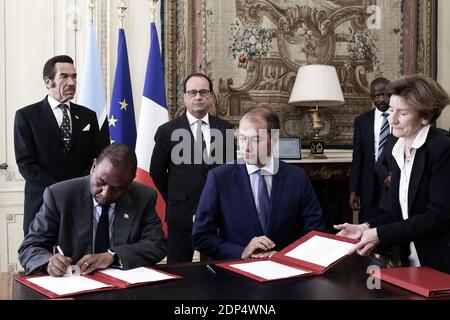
(54, 139)
(365, 188)
(98, 221)
(185, 150)
(251, 208)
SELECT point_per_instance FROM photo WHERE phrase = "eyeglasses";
(203, 93)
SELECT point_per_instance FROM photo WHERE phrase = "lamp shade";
(316, 85)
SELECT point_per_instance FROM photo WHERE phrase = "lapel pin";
(126, 216)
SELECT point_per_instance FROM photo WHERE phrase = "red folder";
(282, 258)
(422, 280)
(111, 282)
(122, 284)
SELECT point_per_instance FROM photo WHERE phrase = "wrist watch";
(114, 255)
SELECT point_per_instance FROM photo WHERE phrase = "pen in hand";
(60, 250)
(210, 269)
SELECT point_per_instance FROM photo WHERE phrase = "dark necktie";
(65, 127)
(200, 142)
(102, 234)
(264, 201)
(384, 132)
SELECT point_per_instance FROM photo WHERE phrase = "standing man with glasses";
(54, 139)
(369, 138)
(186, 148)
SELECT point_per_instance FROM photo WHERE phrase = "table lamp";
(316, 85)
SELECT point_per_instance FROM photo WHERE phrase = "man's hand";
(257, 245)
(58, 264)
(91, 262)
(354, 201)
(368, 242)
(353, 231)
(262, 255)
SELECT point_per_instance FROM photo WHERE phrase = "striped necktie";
(384, 132)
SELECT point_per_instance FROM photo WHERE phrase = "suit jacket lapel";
(243, 183)
(76, 125)
(49, 118)
(275, 194)
(124, 215)
(82, 215)
(416, 175)
(395, 201)
(371, 132)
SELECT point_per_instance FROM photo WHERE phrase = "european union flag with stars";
(122, 123)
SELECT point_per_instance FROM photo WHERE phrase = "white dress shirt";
(97, 212)
(58, 111)
(405, 164)
(205, 128)
(267, 171)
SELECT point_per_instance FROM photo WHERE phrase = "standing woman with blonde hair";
(417, 217)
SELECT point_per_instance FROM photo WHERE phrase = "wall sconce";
(316, 85)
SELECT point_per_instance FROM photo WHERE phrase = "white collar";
(399, 148)
(55, 103)
(111, 205)
(268, 169)
(192, 119)
(379, 113)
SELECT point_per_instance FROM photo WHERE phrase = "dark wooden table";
(346, 280)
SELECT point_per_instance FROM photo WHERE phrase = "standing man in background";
(54, 139)
(370, 134)
(181, 182)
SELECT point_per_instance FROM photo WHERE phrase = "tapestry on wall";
(252, 49)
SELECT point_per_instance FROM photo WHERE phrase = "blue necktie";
(264, 202)
(384, 132)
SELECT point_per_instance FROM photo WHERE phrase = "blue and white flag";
(92, 89)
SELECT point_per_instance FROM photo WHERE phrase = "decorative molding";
(10, 220)
(426, 38)
(103, 37)
(171, 53)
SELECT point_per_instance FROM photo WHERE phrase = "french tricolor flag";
(153, 113)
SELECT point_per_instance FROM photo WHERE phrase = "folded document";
(312, 254)
(101, 280)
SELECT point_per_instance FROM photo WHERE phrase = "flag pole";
(91, 10)
(152, 9)
(121, 9)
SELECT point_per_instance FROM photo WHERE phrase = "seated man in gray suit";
(96, 221)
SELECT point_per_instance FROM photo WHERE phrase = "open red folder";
(101, 280)
(422, 280)
(312, 254)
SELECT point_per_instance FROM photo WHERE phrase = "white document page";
(320, 250)
(269, 270)
(67, 285)
(137, 275)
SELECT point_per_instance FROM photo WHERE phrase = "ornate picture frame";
(251, 49)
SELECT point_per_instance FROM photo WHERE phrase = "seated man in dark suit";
(251, 208)
(97, 221)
